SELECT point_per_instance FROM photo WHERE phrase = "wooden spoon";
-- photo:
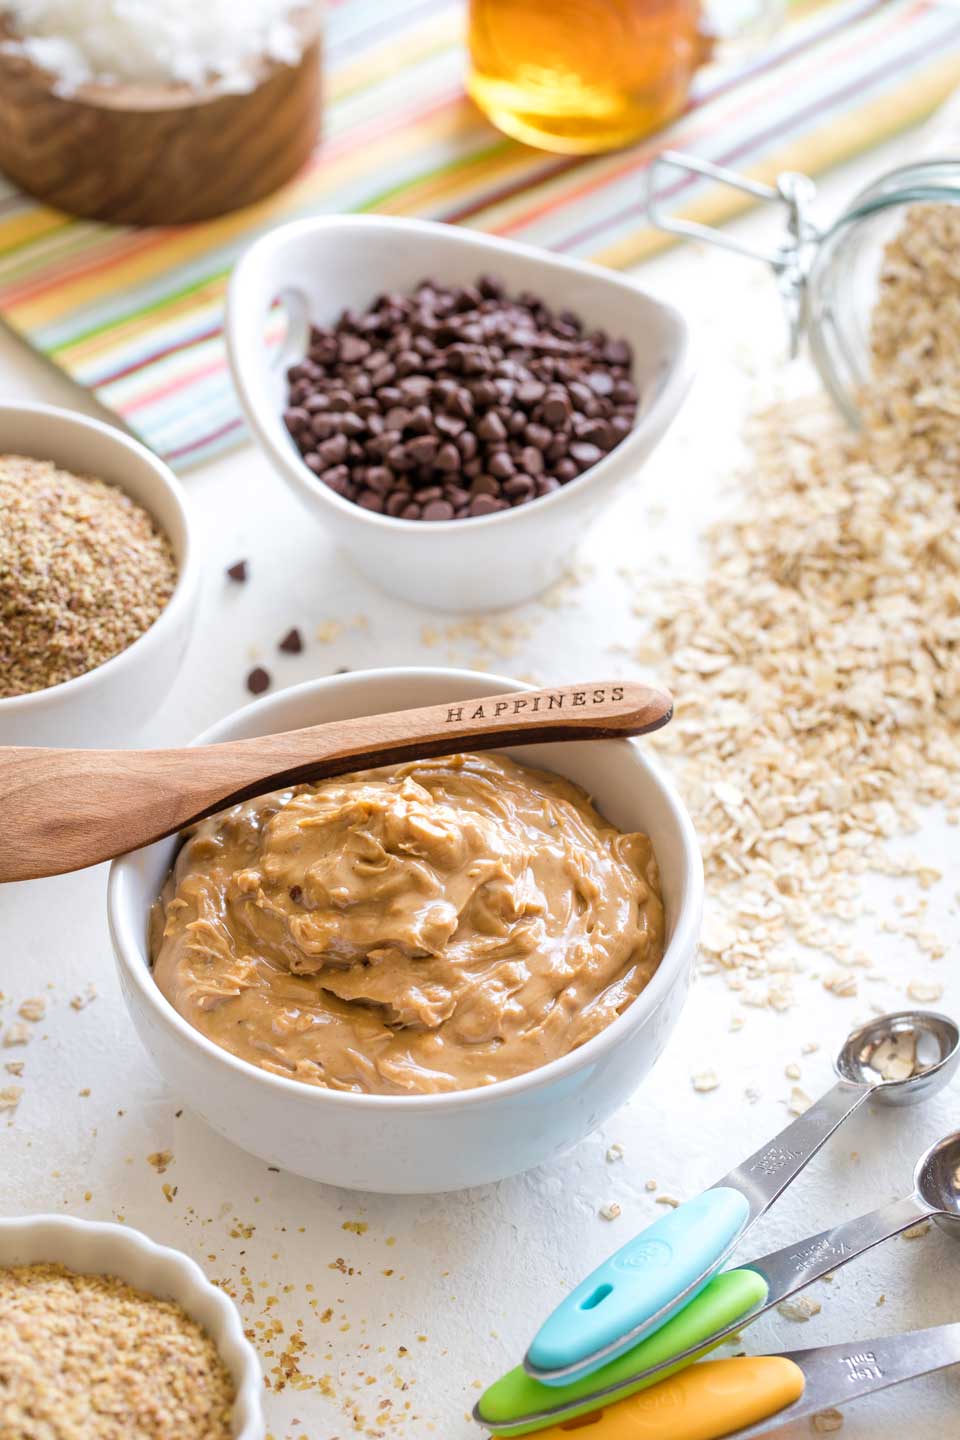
(65, 809)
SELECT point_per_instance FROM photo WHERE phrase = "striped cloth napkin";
(135, 315)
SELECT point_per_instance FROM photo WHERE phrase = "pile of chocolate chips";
(457, 401)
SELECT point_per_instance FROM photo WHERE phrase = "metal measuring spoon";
(776, 1277)
(899, 1059)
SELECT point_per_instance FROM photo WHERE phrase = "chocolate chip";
(296, 894)
(491, 427)
(448, 458)
(601, 382)
(557, 409)
(519, 485)
(238, 571)
(531, 392)
(292, 642)
(484, 485)
(438, 510)
(258, 680)
(585, 454)
(484, 505)
(601, 433)
(424, 449)
(334, 450)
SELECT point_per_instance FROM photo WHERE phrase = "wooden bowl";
(159, 154)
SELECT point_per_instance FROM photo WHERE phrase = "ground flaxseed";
(86, 1357)
(84, 571)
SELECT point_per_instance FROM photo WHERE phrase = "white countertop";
(439, 1294)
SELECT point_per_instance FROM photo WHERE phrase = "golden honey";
(579, 76)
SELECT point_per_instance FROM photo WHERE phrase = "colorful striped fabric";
(136, 315)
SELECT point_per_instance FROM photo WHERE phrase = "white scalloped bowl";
(93, 1247)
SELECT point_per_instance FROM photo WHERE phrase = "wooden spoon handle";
(66, 809)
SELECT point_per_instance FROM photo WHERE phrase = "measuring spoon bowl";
(937, 1178)
(904, 1058)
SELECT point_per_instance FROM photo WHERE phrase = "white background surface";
(471, 1274)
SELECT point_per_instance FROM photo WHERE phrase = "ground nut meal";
(84, 571)
(86, 1357)
(431, 926)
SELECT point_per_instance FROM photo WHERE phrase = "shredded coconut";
(155, 41)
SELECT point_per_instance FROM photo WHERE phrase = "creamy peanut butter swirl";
(424, 927)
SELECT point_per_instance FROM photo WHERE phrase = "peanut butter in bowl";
(428, 927)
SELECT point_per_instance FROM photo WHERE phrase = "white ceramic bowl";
(99, 1248)
(422, 1144)
(108, 705)
(319, 266)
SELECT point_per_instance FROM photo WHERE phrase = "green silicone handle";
(509, 1405)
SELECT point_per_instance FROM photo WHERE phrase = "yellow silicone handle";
(705, 1402)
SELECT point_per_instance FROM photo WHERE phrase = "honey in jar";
(580, 76)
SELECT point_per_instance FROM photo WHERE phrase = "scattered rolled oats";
(18, 1033)
(615, 1152)
(799, 1102)
(10, 1096)
(705, 1081)
(33, 1009)
(924, 993)
(917, 1232)
(840, 984)
(669, 1200)
(610, 1211)
(827, 1422)
(818, 660)
(84, 998)
(801, 1309)
(792, 1072)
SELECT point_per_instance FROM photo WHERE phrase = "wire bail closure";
(790, 261)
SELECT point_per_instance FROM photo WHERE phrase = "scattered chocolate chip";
(296, 894)
(292, 642)
(258, 680)
(238, 572)
(455, 401)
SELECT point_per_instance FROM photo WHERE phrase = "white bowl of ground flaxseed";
(105, 1334)
(98, 580)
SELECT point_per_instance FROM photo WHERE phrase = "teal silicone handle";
(638, 1289)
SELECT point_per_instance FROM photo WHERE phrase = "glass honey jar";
(582, 76)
